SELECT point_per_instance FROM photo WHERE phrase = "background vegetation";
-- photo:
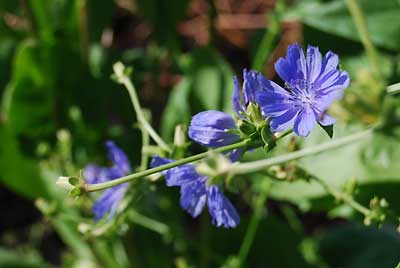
(59, 105)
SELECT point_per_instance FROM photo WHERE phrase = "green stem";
(111, 183)
(148, 223)
(254, 222)
(244, 168)
(361, 25)
(266, 43)
(393, 89)
(343, 197)
(144, 161)
(124, 79)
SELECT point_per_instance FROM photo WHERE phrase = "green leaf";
(208, 85)
(18, 172)
(29, 98)
(366, 248)
(212, 81)
(177, 110)
(334, 18)
(328, 130)
(373, 160)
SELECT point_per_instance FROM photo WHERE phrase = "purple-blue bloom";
(242, 98)
(211, 128)
(312, 83)
(195, 193)
(215, 128)
(110, 199)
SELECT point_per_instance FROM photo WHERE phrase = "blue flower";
(110, 199)
(212, 128)
(215, 128)
(195, 193)
(312, 83)
(242, 98)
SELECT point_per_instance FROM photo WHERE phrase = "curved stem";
(124, 79)
(254, 222)
(393, 89)
(244, 168)
(361, 25)
(345, 198)
(111, 183)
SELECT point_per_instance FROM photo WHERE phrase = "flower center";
(302, 90)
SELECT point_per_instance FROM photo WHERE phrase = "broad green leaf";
(208, 85)
(373, 160)
(29, 98)
(334, 18)
(360, 247)
(212, 81)
(177, 110)
(18, 172)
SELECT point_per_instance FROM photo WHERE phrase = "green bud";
(73, 181)
(180, 135)
(77, 191)
(63, 182)
(246, 127)
(254, 114)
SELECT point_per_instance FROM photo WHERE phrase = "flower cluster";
(311, 84)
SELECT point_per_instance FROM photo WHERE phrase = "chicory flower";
(215, 128)
(312, 84)
(195, 193)
(110, 199)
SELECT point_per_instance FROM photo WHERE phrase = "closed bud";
(63, 182)
(180, 135)
(245, 127)
(254, 115)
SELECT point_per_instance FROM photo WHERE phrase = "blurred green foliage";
(58, 106)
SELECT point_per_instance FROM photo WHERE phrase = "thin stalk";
(361, 25)
(345, 198)
(393, 89)
(148, 223)
(140, 114)
(266, 43)
(111, 183)
(244, 168)
(145, 157)
(254, 222)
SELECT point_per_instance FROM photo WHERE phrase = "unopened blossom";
(312, 84)
(215, 128)
(196, 193)
(109, 201)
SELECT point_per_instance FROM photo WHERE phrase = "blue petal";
(210, 128)
(118, 157)
(250, 86)
(329, 66)
(274, 104)
(193, 196)
(304, 122)
(176, 176)
(293, 67)
(222, 212)
(95, 174)
(109, 202)
(236, 154)
(326, 120)
(314, 62)
(284, 121)
(325, 97)
(236, 99)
